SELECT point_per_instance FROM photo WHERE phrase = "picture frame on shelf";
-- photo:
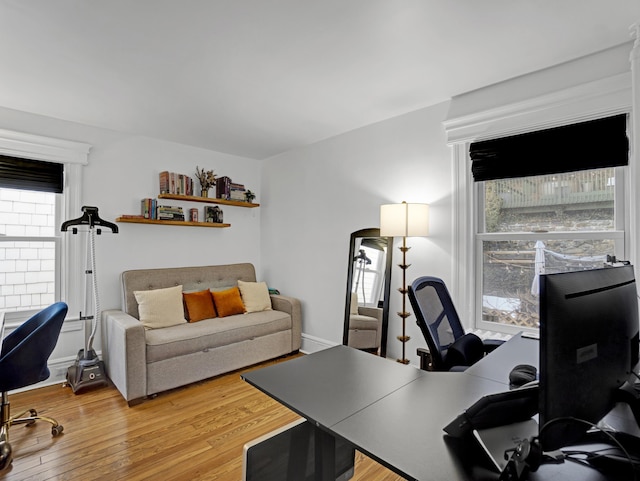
(213, 214)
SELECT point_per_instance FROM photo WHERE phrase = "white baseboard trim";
(311, 344)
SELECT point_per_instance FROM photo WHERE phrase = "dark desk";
(395, 413)
(519, 350)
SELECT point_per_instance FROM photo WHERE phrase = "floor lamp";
(404, 220)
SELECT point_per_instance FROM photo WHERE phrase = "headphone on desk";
(527, 456)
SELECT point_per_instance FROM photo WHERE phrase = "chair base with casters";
(23, 362)
(6, 421)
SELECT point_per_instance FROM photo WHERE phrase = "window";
(565, 219)
(39, 188)
(543, 224)
(368, 275)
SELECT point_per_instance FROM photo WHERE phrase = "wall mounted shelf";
(182, 223)
(207, 200)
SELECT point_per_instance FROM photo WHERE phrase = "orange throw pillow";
(228, 302)
(199, 305)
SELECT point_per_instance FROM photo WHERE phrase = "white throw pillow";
(255, 296)
(160, 307)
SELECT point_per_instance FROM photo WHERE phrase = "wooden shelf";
(207, 200)
(136, 220)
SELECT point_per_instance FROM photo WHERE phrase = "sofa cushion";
(255, 296)
(228, 302)
(211, 333)
(160, 307)
(199, 305)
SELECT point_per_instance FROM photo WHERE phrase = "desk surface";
(395, 413)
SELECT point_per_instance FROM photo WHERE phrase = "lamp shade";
(404, 220)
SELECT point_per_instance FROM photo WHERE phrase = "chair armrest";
(491, 345)
(425, 359)
(371, 312)
(291, 306)
(124, 353)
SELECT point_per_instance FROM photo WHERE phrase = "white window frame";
(593, 100)
(69, 252)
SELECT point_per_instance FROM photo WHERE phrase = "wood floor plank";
(195, 433)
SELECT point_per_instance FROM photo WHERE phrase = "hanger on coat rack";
(90, 218)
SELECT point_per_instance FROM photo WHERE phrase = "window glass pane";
(510, 287)
(576, 201)
(27, 267)
(27, 213)
(27, 275)
(367, 276)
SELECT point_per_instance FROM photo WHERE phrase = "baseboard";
(311, 344)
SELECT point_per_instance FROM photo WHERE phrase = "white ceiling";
(258, 77)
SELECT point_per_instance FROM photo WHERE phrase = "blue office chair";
(23, 362)
(449, 347)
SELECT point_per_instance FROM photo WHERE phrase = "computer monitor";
(588, 348)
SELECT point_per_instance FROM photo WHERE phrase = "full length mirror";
(366, 315)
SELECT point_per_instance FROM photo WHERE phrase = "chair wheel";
(57, 430)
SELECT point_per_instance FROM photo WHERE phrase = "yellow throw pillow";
(160, 307)
(199, 305)
(228, 302)
(255, 296)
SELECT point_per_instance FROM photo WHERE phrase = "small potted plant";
(249, 196)
(207, 180)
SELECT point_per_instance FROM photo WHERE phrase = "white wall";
(122, 170)
(315, 196)
(311, 199)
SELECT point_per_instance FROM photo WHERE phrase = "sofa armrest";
(371, 312)
(124, 353)
(291, 306)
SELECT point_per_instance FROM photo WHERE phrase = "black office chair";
(450, 348)
(23, 362)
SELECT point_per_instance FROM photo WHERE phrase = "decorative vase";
(204, 193)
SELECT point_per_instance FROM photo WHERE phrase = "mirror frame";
(370, 232)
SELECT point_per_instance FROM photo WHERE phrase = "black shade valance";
(17, 173)
(586, 145)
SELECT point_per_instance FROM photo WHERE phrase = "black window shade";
(587, 145)
(17, 173)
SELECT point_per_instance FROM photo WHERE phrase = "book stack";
(148, 208)
(223, 187)
(237, 192)
(167, 212)
(173, 183)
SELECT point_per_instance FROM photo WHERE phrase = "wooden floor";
(192, 433)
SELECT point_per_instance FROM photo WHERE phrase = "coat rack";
(88, 370)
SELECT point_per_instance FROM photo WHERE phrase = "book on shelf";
(174, 183)
(223, 187)
(237, 192)
(166, 212)
(148, 208)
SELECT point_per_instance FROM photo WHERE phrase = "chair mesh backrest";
(435, 315)
(25, 352)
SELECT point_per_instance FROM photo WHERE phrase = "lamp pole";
(403, 290)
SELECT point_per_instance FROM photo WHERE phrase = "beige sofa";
(142, 362)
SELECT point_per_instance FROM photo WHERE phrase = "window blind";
(27, 174)
(587, 145)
